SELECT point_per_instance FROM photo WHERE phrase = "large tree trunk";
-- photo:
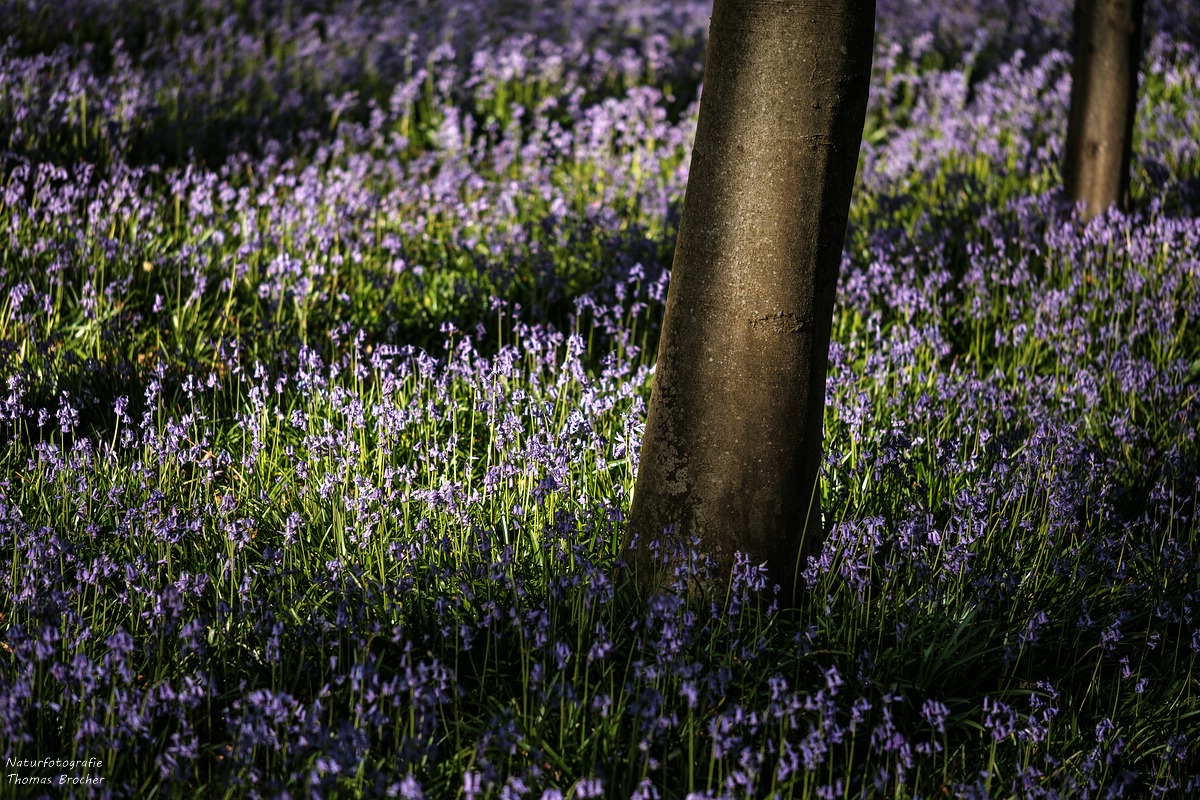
(1104, 83)
(732, 448)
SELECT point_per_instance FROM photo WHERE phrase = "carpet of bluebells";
(327, 331)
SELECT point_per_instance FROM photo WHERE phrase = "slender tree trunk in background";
(1104, 83)
(732, 448)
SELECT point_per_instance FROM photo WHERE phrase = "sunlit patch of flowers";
(327, 331)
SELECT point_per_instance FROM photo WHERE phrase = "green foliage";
(362, 408)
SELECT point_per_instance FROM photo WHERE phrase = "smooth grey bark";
(732, 448)
(1104, 83)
